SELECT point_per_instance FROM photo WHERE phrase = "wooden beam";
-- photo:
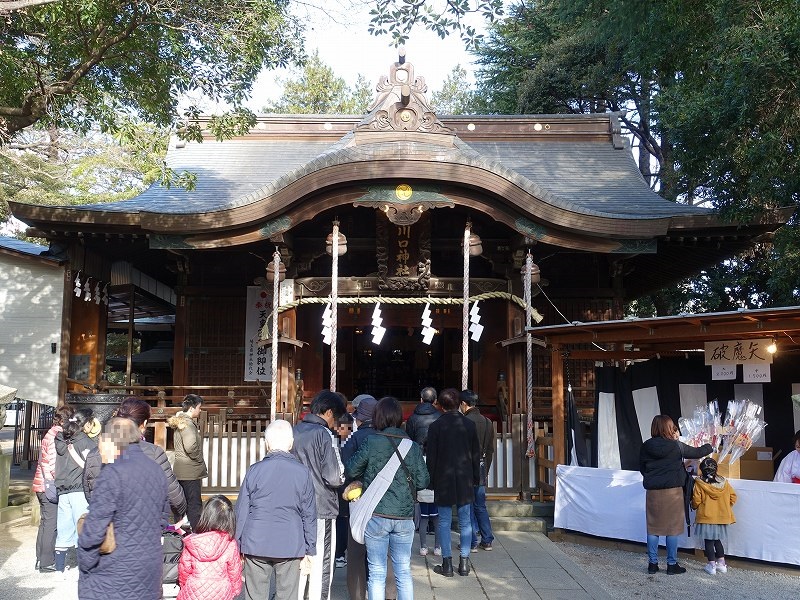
(559, 412)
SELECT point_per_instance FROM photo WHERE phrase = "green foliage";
(315, 89)
(75, 64)
(456, 96)
(62, 167)
(710, 90)
(398, 17)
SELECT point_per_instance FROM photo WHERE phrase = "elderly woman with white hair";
(276, 518)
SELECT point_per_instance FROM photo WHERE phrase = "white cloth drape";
(610, 503)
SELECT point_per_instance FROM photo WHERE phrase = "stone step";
(528, 524)
(513, 508)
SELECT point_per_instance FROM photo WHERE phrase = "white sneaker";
(423, 551)
(437, 551)
(722, 567)
(710, 568)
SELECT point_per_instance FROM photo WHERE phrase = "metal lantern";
(475, 244)
(271, 272)
(342, 245)
(536, 274)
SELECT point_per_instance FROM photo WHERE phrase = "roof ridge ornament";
(400, 104)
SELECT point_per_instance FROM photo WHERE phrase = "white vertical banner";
(607, 435)
(257, 358)
(692, 395)
(755, 393)
(645, 400)
(796, 406)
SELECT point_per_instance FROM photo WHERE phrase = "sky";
(345, 44)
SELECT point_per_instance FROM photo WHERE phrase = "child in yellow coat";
(713, 498)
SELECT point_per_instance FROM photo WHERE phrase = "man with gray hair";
(276, 518)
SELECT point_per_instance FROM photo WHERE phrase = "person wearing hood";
(713, 497)
(210, 567)
(663, 476)
(189, 466)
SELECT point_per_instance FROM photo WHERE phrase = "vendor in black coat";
(454, 458)
(131, 493)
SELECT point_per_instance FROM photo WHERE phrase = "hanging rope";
(465, 315)
(400, 301)
(334, 297)
(276, 298)
(529, 354)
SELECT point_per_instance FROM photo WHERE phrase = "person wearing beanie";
(357, 572)
(316, 447)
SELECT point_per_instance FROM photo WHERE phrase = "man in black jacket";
(318, 449)
(454, 464)
(486, 441)
(424, 414)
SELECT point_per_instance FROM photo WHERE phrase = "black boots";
(463, 566)
(675, 569)
(447, 567)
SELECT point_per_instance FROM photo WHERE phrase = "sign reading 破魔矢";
(738, 352)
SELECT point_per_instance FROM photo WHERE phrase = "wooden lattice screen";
(215, 340)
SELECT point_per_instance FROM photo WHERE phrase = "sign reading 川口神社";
(738, 352)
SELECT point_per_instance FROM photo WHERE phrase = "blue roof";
(23, 247)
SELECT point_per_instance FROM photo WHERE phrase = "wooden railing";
(234, 439)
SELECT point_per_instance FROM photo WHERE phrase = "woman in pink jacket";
(211, 565)
(48, 511)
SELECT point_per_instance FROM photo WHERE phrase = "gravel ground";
(623, 574)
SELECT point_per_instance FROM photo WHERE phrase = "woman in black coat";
(661, 464)
(131, 494)
(454, 459)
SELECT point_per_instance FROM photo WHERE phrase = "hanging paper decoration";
(327, 331)
(88, 290)
(97, 296)
(105, 294)
(427, 331)
(378, 330)
(78, 285)
(475, 328)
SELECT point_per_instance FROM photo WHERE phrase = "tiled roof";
(12, 243)
(586, 177)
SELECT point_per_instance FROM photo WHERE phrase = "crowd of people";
(107, 497)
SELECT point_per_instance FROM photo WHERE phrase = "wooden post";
(559, 423)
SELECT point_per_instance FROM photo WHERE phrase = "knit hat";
(365, 407)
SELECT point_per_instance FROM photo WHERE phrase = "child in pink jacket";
(211, 566)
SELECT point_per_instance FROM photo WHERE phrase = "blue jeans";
(480, 518)
(464, 525)
(672, 548)
(392, 536)
(70, 507)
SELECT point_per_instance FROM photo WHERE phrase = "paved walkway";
(521, 566)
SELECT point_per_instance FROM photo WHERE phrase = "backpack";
(172, 544)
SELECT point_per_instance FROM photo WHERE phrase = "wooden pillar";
(559, 412)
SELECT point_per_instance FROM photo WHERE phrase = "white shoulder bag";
(361, 510)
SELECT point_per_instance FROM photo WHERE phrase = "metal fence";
(32, 423)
